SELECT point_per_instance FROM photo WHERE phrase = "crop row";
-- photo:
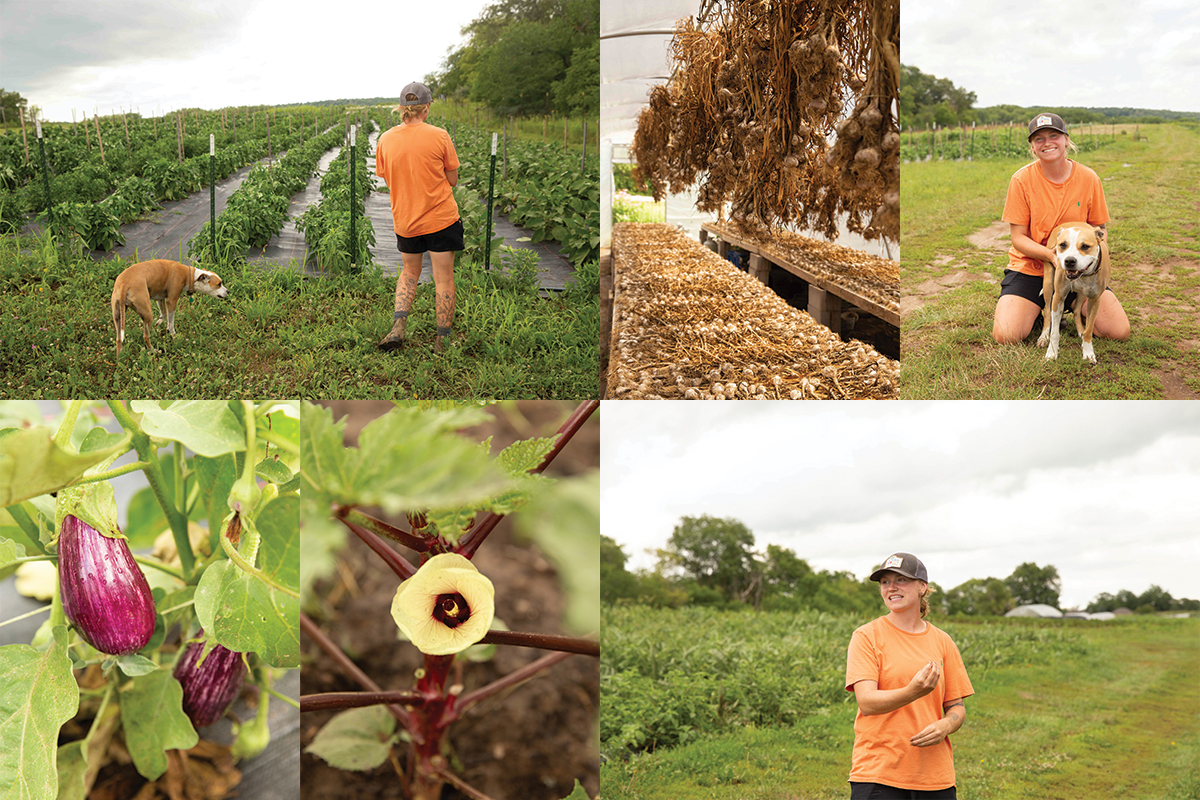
(970, 144)
(326, 224)
(669, 675)
(544, 190)
(256, 211)
(94, 194)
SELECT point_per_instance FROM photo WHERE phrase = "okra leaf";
(358, 739)
(154, 722)
(37, 695)
(411, 458)
(245, 614)
(206, 427)
(31, 463)
(564, 522)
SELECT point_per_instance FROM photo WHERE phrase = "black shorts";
(445, 240)
(1030, 287)
(877, 791)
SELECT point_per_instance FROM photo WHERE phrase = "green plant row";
(326, 223)
(954, 143)
(544, 191)
(670, 675)
(82, 186)
(256, 211)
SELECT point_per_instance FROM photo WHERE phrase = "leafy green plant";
(234, 585)
(453, 493)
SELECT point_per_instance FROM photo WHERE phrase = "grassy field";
(280, 334)
(954, 254)
(1080, 710)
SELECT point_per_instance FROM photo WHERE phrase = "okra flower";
(446, 607)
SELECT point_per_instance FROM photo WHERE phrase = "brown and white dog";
(161, 280)
(1081, 253)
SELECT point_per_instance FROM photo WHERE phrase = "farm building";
(1035, 610)
(767, 134)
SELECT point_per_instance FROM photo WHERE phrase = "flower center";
(451, 610)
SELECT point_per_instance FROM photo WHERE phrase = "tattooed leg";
(406, 281)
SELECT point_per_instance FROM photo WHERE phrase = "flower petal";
(413, 605)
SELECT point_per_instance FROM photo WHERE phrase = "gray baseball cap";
(415, 94)
(1052, 121)
(905, 564)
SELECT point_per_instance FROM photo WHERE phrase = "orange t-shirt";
(881, 652)
(1043, 205)
(413, 160)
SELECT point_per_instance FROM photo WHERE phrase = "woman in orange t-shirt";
(909, 680)
(1049, 192)
(420, 167)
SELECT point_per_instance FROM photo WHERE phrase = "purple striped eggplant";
(104, 594)
(208, 689)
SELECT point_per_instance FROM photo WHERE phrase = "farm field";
(954, 253)
(727, 705)
(290, 331)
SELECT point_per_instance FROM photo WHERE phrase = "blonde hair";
(408, 113)
(925, 599)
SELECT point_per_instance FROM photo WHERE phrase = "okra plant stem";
(382, 549)
(471, 540)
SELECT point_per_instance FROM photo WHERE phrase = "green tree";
(616, 582)
(1030, 583)
(980, 596)
(717, 553)
(578, 93)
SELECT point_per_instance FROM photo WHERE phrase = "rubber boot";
(395, 338)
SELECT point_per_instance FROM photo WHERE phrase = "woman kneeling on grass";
(910, 682)
(420, 167)
(1051, 191)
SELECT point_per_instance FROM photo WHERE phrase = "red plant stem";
(431, 719)
(471, 540)
(377, 526)
(327, 701)
(511, 679)
(546, 641)
(350, 669)
(384, 550)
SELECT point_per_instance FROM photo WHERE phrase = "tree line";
(528, 57)
(712, 561)
(926, 100)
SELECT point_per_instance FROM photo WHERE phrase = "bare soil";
(531, 742)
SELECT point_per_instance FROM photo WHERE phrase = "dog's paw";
(1051, 353)
(1044, 339)
(1088, 354)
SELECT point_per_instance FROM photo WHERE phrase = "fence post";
(212, 193)
(487, 240)
(353, 240)
(45, 171)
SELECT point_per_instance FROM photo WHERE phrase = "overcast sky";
(1104, 491)
(157, 56)
(1101, 53)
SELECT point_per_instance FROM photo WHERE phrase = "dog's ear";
(202, 277)
(1101, 234)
